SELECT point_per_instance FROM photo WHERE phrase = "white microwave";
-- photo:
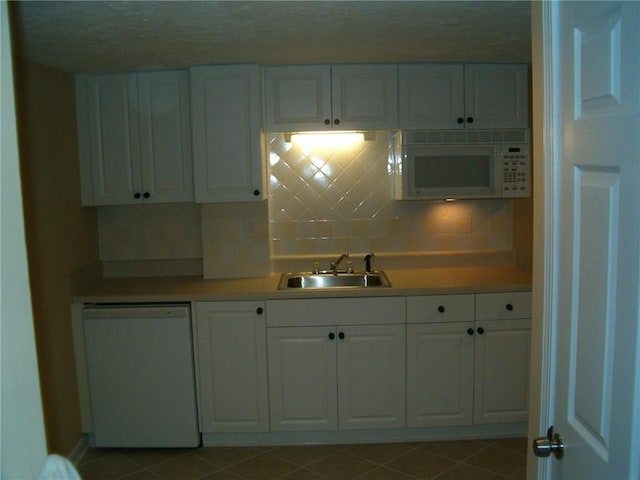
(463, 170)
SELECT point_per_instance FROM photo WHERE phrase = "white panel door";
(597, 401)
(431, 96)
(501, 392)
(298, 98)
(496, 96)
(165, 137)
(114, 141)
(371, 376)
(231, 366)
(364, 97)
(302, 378)
(227, 137)
(440, 374)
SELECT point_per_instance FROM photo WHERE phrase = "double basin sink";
(327, 279)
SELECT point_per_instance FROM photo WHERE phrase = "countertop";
(405, 282)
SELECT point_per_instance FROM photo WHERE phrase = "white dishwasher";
(141, 375)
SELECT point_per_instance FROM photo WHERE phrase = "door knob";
(552, 443)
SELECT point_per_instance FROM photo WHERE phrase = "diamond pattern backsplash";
(325, 199)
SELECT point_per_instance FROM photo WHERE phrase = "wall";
(61, 236)
(323, 200)
(326, 199)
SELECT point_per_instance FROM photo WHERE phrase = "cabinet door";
(440, 374)
(302, 378)
(228, 145)
(364, 97)
(496, 96)
(431, 96)
(501, 371)
(298, 98)
(109, 138)
(231, 358)
(371, 376)
(165, 137)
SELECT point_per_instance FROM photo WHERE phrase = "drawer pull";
(441, 309)
(259, 310)
(509, 307)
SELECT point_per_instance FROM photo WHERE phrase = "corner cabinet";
(228, 144)
(231, 359)
(134, 138)
(336, 364)
(324, 97)
(463, 96)
(475, 349)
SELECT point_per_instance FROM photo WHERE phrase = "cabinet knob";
(470, 331)
(469, 119)
(327, 121)
(256, 192)
(480, 330)
(460, 120)
(336, 121)
(441, 309)
(146, 194)
(509, 307)
(259, 310)
(137, 195)
(341, 335)
(332, 336)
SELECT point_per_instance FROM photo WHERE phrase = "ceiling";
(91, 36)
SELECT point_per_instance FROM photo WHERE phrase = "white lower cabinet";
(501, 388)
(345, 370)
(231, 359)
(468, 359)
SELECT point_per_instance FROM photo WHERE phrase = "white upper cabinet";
(456, 96)
(228, 145)
(134, 138)
(323, 97)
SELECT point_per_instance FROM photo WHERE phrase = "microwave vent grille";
(422, 137)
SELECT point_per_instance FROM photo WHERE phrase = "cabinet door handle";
(336, 121)
(332, 336)
(137, 195)
(327, 121)
(480, 330)
(469, 119)
(256, 192)
(259, 310)
(470, 331)
(341, 335)
(460, 120)
(146, 194)
(441, 309)
(509, 307)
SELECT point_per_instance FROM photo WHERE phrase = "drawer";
(335, 311)
(440, 308)
(496, 306)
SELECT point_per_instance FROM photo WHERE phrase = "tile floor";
(459, 460)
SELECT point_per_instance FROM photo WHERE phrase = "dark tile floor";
(456, 460)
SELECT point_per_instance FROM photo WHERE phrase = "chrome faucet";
(334, 265)
(367, 262)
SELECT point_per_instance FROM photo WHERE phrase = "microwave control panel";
(515, 160)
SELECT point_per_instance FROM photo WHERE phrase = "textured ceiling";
(86, 36)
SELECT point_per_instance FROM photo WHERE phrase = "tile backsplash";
(326, 199)
(323, 200)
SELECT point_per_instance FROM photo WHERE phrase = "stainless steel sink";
(330, 280)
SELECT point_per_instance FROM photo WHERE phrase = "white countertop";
(405, 282)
